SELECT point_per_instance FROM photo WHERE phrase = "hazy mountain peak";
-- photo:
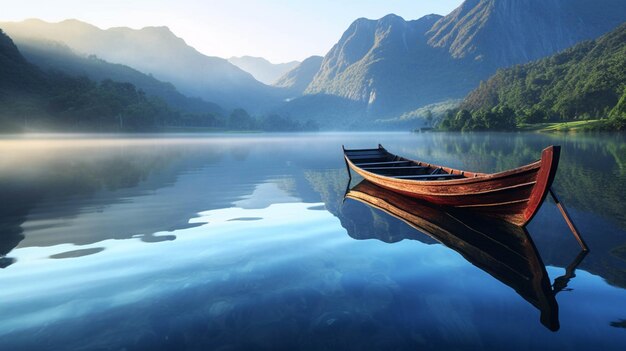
(361, 20)
(431, 16)
(151, 38)
(313, 58)
(392, 17)
(160, 29)
(150, 30)
(261, 69)
(248, 57)
(73, 24)
(157, 51)
(70, 21)
(299, 78)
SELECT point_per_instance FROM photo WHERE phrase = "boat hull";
(514, 195)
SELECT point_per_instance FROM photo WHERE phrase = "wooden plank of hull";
(514, 195)
(502, 250)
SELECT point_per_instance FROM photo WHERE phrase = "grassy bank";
(574, 126)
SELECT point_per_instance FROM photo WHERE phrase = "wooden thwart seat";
(367, 157)
(381, 163)
(437, 170)
(365, 152)
(378, 154)
(394, 168)
(361, 150)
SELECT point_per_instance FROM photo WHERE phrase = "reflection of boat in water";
(501, 249)
(514, 195)
(10, 236)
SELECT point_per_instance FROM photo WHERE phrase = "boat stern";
(549, 164)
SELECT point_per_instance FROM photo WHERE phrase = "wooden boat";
(514, 195)
(503, 250)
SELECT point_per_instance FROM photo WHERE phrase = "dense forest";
(34, 100)
(587, 81)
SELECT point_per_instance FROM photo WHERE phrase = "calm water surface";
(232, 242)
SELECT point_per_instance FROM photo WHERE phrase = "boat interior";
(380, 161)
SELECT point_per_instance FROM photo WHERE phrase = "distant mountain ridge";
(261, 69)
(31, 99)
(156, 51)
(391, 66)
(55, 56)
(299, 78)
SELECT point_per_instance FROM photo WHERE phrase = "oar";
(569, 221)
(560, 283)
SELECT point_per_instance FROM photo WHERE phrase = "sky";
(278, 30)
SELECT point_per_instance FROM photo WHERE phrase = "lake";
(245, 242)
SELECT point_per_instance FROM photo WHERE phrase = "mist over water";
(227, 241)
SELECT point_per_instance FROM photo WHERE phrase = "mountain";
(22, 87)
(156, 51)
(299, 78)
(501, 33)
(33, 100)
(261, 69)
(585, 81)
(55, 56)
(17, 76)
(392, 66)
(387, 65)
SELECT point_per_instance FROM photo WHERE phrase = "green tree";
(239, 119)
(619, 111)
(462, 120)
